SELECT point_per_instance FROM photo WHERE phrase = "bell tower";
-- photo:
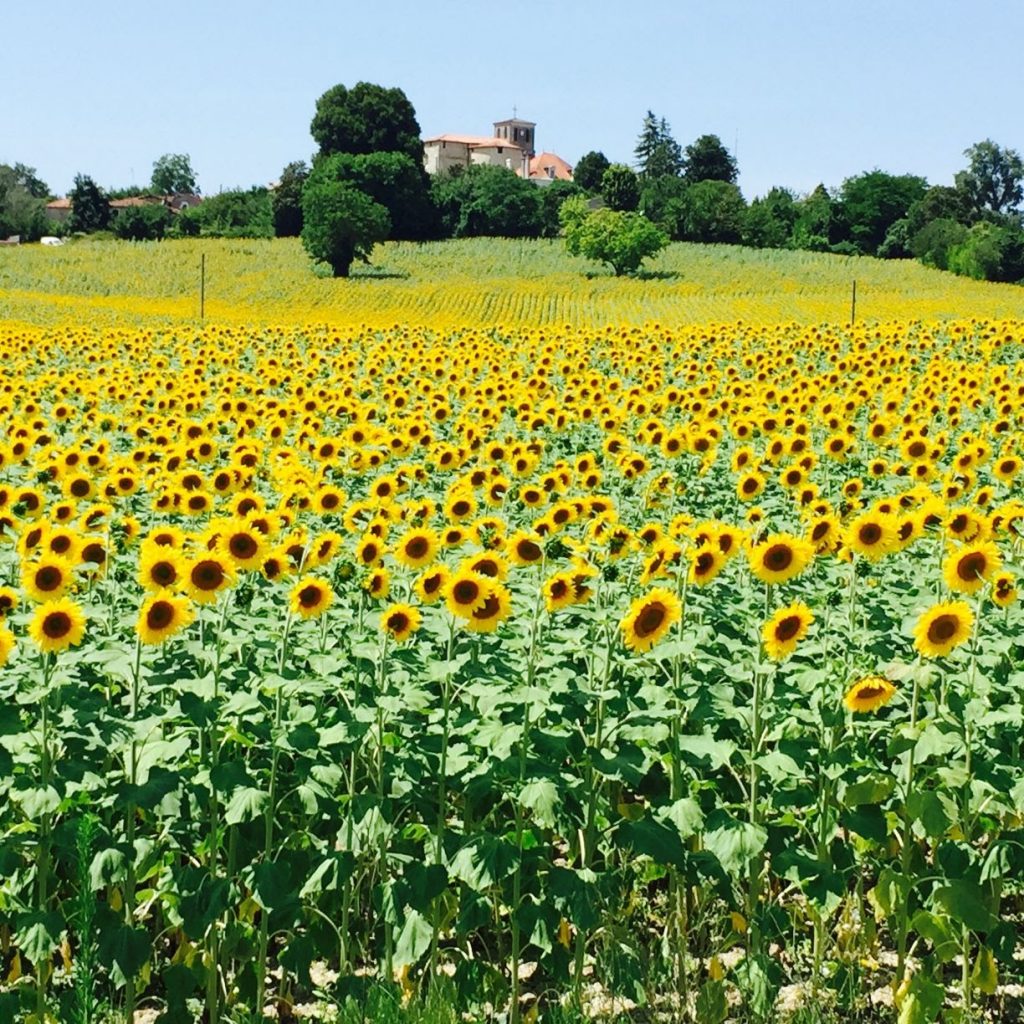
(521, 133)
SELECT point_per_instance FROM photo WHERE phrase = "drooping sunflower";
(400, 621)
(495, 609)
(7, 644)
(206, 577)
(942, 628)
(161, 568)
(785, 629)
(57, 625)
(706, 564)
(47, 579)
(310, 597)
(378, 584)
(162, 615)
(416, 547)
(649, 618)
(966, 570)
(869, 694)
(779, 558)
(1004, 589)
(465, 592)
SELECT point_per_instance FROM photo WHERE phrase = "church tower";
(522, 133)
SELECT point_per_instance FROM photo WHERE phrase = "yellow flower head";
(942, 628)
(649, 618)
(785, 629)
(869, 694)
(162, 615)
(57, 625)
(780, 558)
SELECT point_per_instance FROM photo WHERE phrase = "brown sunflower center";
(80, 487)
(870, 691)
(486, 567)
(558, 589)
(705, 563)
(163, 573)
(57, 625)
(243, 546)
(207, 574)
(778, 557)
(943, 629)
(489, 609)
(432, 583)
(971, 566)
(398, 622)
(48, 578)
(417, 547)
(529, 551)
(309, 597)
(787, 628)
(820, 531)
(60, 545)
(869, 534)
(94, 553)
(160, 615)
(466, 592)
(650, 619)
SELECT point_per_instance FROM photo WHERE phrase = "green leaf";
(712, 1007)
(921, 1002)
(985, 974)
(686, 815)
(246, 804)
(935, 811)
(653, 839)
(735, 843)
(413, 940)
(38, 935)
(968, 903)
(706, 748)
(484, 861)
(872, 790)
(541, 797)
(937, 930)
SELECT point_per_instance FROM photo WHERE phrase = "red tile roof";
(542, 161)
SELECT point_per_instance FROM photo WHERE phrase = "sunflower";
(749, 486)
(706, 564)
(524, 548)
(322, 549)
(966, 570)
(559, 591)
(416, 547)
(430, 585)
(47, 579)
(400, 621)
(162, 615)
(161, 568)
(245, 545)
(649, 618)
(465, 592)
(487, 564)
(57, 625)
(369, 551)
(63, 542)
(872, 535)
(785, 629)
(206, 577)
(310, 597)
(495, 608)
(8, 601)
(1004, 589)
(869, 694)
(779, 558)
(378, 584)
(6, 644)
(823, 532)
(943, 627)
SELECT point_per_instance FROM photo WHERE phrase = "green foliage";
(662, 200)
(487, 200)
(341, 223)
(815, 221)
(994, 179)
(27, 178)
(21, 211)
(940, 202)
(589, 170)
(707, 159)
(551, 198)
(933, 242)
(769, 220)
(142, 223)
(711, 211)
(622, 239)
(239, 213)
(90, 209)
(990, 252)
(872, 202)
(367, 118)
(286, 200)
(172, 173)
(620, 188)
(657, 153)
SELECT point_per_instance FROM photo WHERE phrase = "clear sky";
(803, 90)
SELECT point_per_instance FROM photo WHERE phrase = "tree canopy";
(657, 153)
(172, 173)
(872, 202)
(994, 179)
(286, 199)
(90, 209)
(489, 201)
(621, 239)
(589, 169)
(367, 118)
(620, 187)
(706, 159)
(340, 223)
(21, 206)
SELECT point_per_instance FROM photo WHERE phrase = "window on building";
(501, 149)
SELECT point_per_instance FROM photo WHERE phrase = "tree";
(142, 223)
(712, 211)
(340, 223)
(620, 187)
(367, 119)
(940, 202)
(769, 220)
(551, 198)
(589, 169)
(27, 178)
(872, 202)
(815, 221)
(662, 200)
(286, 200)
(994, 179)
(237, 213)
(933, 243)
(706, 159)
(486, 200)
(623, 240)
(173, 174)
(90, 210)
(21, 212)
(657, 153)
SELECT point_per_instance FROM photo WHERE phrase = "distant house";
(511, 146)
(59, 210)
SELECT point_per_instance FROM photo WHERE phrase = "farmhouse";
(59, 210)
(512, 145)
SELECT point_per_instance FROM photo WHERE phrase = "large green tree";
(711, 211)
(172, 173)
(657, 153)
(90, 209)
(706, 159)
(620, 188)
(622, 240)
(486, 200)
(340, 223)
(872, 202)
(994, 179)
(21, 209)
(816, 221)
(367, 118)
(769, 219)
(589, 169)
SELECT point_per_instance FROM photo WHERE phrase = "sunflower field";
(639, 672)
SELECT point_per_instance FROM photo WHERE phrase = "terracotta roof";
(542, 161)
(59, 204)
(473, 141)
(122, 204)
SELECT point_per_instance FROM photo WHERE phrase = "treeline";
(366, 183)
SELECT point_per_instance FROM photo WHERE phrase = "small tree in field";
(340, 223)
(623, 240)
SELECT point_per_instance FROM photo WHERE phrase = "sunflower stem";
(906, 848)
(43, 852)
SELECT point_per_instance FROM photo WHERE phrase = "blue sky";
(804, 91)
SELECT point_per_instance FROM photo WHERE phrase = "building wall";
(439, 157)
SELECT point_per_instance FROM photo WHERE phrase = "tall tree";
(287, 200)
(340, 224)
(706, 159)
(21, 212)
(31, 182)
(657, 153)
(589, 169)
(172, 173)
(367, 118)
(90, 210)
(872, 202)
(620, 187)
(994, 178)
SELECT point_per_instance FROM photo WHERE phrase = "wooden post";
(202, 285)
(853, 303)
